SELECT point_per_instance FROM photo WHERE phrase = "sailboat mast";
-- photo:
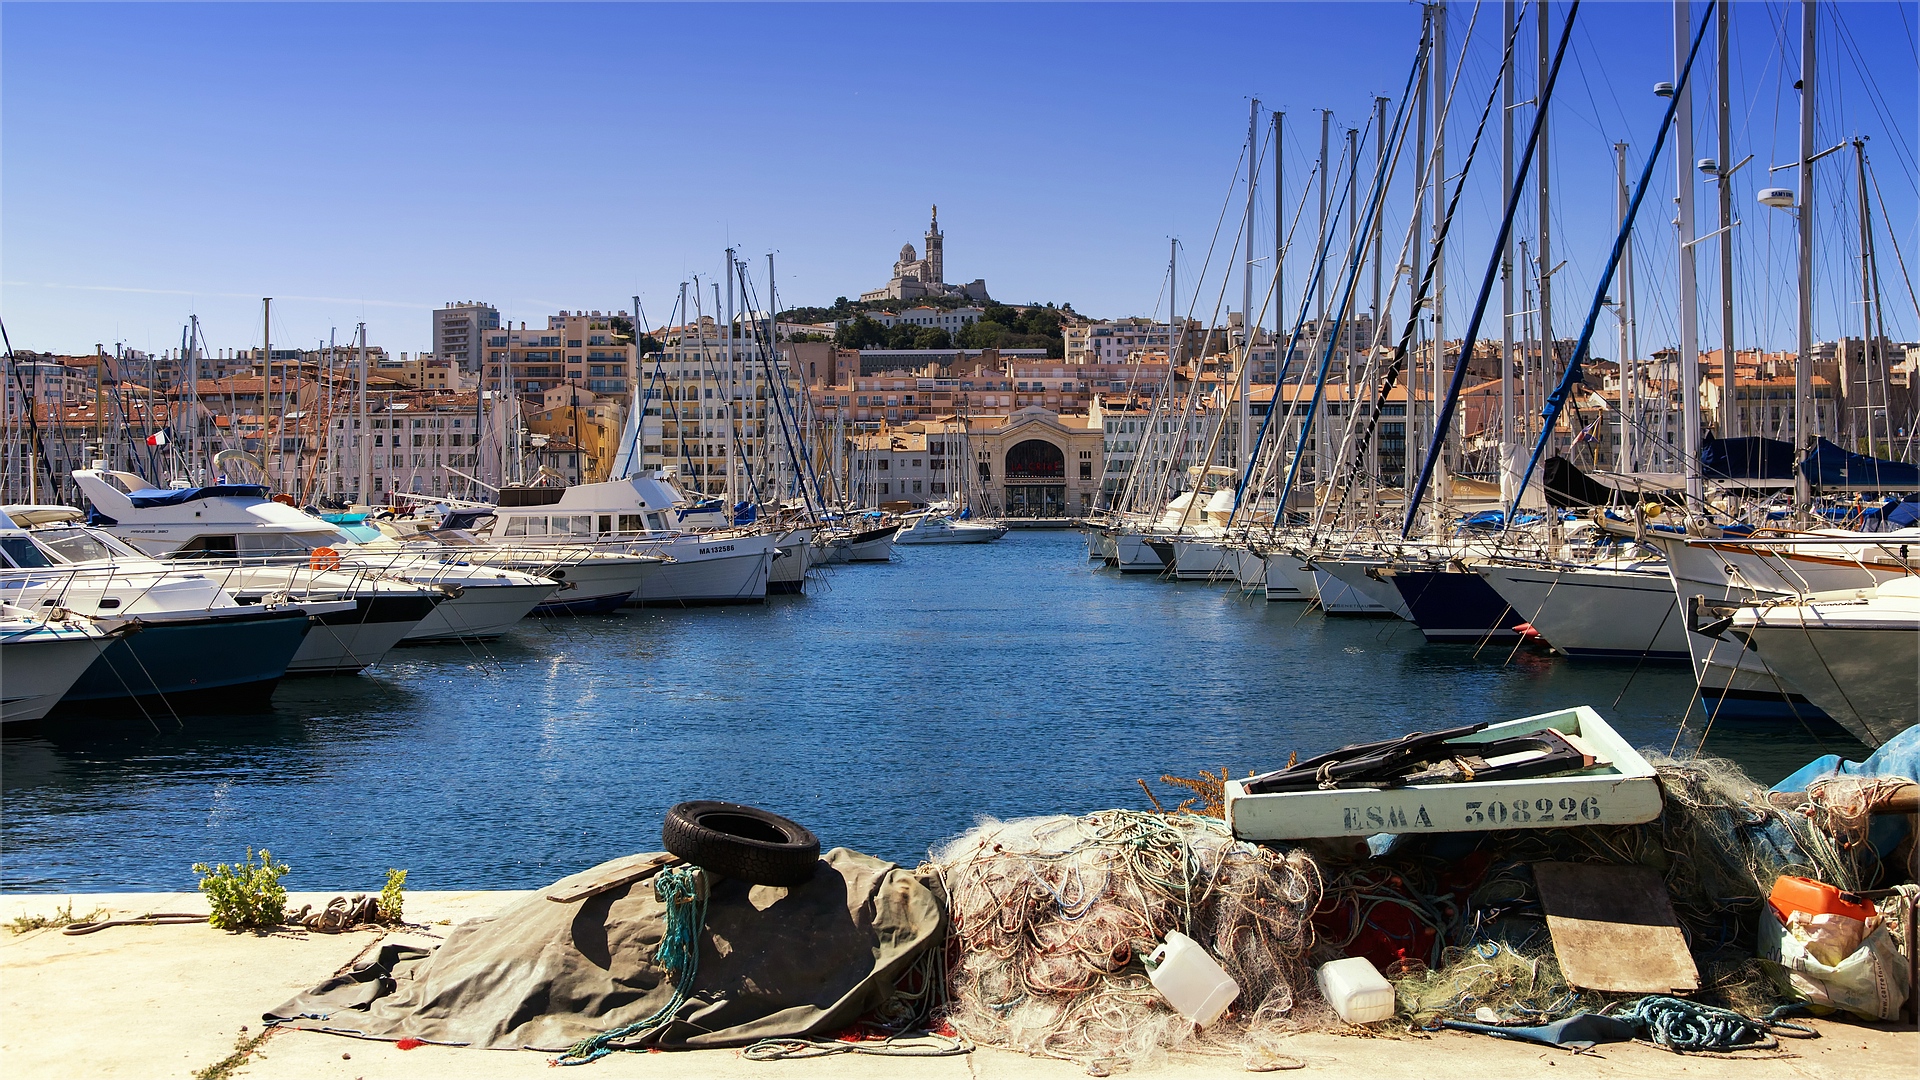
(1623, 310)
(1723, 172)
(1805, 418)
(1546, 370)
(1243, 427)
(1411, 447)
(364, 484)
(1442, 439)
(1504, 466)
(1683, 164)
(1866, 303)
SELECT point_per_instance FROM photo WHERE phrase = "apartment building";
(580, 348)
(459, 330)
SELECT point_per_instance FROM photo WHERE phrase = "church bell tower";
(934, 270)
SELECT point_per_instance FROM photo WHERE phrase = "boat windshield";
(77, 545)
(21, 552)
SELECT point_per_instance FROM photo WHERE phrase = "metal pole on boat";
(1411, 447)
(1320, 242)
(727, 389)
(1244, 428)
(1504, 467)
(1729, 416)
(1546, 370)
(1683, 164)
(360, 423)
(1442, 438)
(1623, 312)
(1805, 416)
(1866, 306)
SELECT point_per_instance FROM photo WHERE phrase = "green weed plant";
(245, 896)
(391, 900)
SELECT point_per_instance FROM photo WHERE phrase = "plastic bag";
(1858, 967)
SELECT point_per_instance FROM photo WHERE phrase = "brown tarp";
(774, 962)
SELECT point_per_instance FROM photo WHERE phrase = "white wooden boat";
(1616, 786)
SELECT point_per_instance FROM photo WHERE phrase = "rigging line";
(1215, 242)
(1874, 97)
(1886, 221)
(1445, 419)
(1356, 255)
(1426, 286)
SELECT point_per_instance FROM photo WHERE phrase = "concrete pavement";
(153, 1002)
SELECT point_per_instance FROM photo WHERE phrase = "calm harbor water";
(889, 709)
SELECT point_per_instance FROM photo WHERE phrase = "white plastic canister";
(1193, 982)
(1355, 990)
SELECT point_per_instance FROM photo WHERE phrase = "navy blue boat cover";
(175, 496)
(1746, 459)
(1828, 466)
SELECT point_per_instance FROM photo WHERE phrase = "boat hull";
(1202, 560)
(344, 642)
(793, 558)
(38, 667)
(1455, 608)
(1134, 553)
(1347, 589)
(225, 663)
(479, 612)
(1866, 678)
(709, 573)
(1594, 613)
(1290, 578)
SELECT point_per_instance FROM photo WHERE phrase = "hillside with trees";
(1001, 326)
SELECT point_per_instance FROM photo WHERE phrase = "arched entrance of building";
(1036, 479)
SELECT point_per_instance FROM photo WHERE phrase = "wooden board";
(1614, 929)
(573, 894)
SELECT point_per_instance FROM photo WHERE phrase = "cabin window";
(516, 526)
(632, 523)
(22, 553)
(208, 547)
(606, 523)
(657, 523)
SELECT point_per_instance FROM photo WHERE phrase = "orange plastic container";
(1792, 894)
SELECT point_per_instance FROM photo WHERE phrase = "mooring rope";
(683, 889)
(1688, 1027)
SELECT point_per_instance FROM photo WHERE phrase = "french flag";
(158, 438)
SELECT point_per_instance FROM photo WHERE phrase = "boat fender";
(741, 842)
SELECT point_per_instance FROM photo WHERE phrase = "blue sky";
(369, 162)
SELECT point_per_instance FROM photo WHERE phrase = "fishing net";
(1456, 922)
(1051, 915)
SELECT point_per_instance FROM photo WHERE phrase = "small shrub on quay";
(391, 900)
(245, 896)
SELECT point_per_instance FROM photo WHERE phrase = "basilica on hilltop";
(916, 277)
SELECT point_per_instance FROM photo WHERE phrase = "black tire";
(741, 842)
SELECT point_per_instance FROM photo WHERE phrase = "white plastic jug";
(1193, 982)
(1355, 990)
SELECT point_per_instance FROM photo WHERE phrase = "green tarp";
(774, 962)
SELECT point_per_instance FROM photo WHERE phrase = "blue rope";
(1688, 1027)
(683, 890)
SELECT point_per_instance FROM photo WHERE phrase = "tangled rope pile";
(1688, 1027)
(1051, 915)
(684, 890)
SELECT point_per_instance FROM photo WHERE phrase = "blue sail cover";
(1746, 459)
(1828, 466)
(151, 497)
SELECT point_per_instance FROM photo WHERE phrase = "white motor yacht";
(238, 521)
(354, 617)
(190, 644)
(1855, 652)
(726, 566)
(938, 525)
(42, 654)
